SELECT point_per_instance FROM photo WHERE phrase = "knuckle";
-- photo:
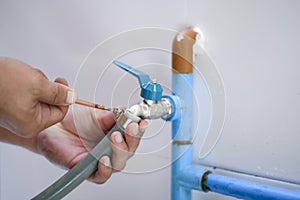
(37, 77)
(62, 81)
(101, 181)
(131, 153)
(101, 178)
(120, 166)
(39, 72)
(55, 94)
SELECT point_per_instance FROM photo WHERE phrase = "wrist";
(11, 138)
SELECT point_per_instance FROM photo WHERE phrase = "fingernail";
(118, 138)
(72, 97)
(105, 161)
(135, 131)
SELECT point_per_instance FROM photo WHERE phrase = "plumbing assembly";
(185, 176)
(176, 107)
(154, 106)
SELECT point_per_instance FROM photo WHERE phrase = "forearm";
(11, 138)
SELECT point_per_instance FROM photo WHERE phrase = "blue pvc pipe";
(182, 133)
(182, 86)
(246, 189)
(185, 177)
(178, 192)
(191, 178)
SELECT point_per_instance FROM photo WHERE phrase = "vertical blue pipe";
(182, 86)
(185, 177)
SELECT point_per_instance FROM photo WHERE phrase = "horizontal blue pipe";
(246, 189)
(202, 180)
(191, 177)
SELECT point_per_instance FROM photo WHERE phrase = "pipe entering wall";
(182, 51)
(186, 177)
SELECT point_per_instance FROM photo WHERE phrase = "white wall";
(255, 47)
(253, 44)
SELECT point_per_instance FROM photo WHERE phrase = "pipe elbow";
(182, 51)
(193, 177)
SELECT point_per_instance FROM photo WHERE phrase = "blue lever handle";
(143, 78)
(150, 90)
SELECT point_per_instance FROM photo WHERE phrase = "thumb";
(55, 93)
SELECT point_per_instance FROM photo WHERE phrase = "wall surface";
(252, 47)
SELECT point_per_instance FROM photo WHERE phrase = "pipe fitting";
(193, 178)
(149, 109)
(182, 51)
(126, 118)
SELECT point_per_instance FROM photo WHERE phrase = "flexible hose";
(81, 171)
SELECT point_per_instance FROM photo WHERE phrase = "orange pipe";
(182, 51)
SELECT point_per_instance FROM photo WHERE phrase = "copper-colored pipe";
(89, 104)
(182, 51)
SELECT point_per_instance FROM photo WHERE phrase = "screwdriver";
(92, 105)
(116, 111)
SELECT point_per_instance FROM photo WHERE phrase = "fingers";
(61, 81)
(133, 134)
(56, 93)
(56, 113)
(104, 171)
(122, 148)
(52, 114)
(106, 120)
(120, 153)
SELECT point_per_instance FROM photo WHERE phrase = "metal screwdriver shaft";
(89, 104)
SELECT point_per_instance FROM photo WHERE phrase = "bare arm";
(11, 138)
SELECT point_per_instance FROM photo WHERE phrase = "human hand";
(30, 102)
(66, 145)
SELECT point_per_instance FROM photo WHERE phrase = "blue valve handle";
(143, 78)
(149, 90)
